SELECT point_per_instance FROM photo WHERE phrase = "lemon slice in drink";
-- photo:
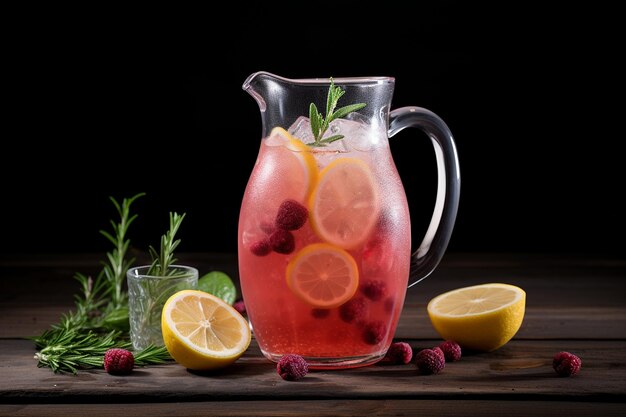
(482, 317)
(323, 275)
(203, 332)
(294, 168)
(344, 205)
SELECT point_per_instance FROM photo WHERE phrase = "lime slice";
(220, 285)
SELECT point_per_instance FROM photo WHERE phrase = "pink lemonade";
(324, 275)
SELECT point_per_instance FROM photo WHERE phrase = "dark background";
(114, 102)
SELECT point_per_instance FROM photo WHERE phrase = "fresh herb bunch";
(100, 320)
(319, 124)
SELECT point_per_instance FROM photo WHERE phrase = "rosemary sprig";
(152, 355)
(115, 270)
(72, 350)
(161, 266)
(319, 124)
(164, 259)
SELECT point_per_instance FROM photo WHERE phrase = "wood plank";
(26, 320)
(521, 370)
(566, 297)
(400, 407)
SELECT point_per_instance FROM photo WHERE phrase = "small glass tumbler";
(146, 296)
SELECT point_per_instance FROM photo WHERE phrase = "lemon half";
(481, 317)
(203, 332)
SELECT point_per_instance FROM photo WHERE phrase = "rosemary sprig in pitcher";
(319, 123)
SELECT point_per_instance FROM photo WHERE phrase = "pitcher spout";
(256, 86)
(270, 92)
(268, 89)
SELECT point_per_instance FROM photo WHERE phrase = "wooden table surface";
(574, 303)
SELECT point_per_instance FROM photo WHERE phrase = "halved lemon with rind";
(202, 332)
(323, 275)
(481, 317)
(345, 205)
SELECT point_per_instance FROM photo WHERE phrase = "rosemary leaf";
(331, 139)
(313, 113)
(108, 236)
(152, 355)
(344, 111)
(329, 98)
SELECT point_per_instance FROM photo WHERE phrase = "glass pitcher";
(324, 239)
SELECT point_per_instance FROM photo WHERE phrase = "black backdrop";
(114, 102)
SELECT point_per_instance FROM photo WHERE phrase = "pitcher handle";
(426, 258)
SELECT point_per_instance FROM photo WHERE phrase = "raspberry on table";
(261, 247)
(374, 332)
(282, 241)
(451, 350)
(439, 353)
(566, 364)
(429, 362)
(399, 353)
(240, 306)
(291, 215)
(292, 367)
(354, 310)
(118, 361)
(374, 290)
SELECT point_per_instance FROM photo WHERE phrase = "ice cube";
(301, 130)
(358, 133)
